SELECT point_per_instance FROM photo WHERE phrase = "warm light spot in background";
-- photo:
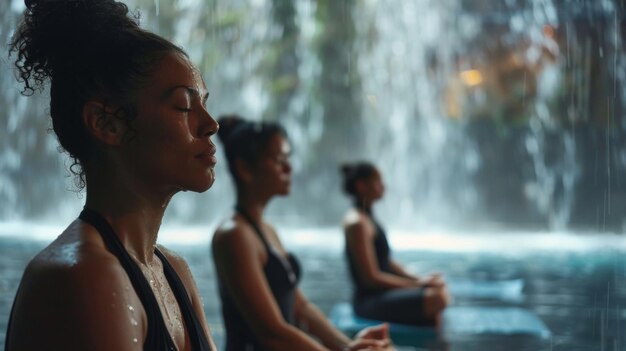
(472, 77)
(548, 31)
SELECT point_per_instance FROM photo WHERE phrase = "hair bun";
(353, 172)
(228, 124)
(346, 169)
(68, 36)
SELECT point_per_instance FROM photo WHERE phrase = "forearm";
(313, 321)
(400, 271)
(383, 280)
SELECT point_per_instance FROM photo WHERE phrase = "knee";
(437, 298)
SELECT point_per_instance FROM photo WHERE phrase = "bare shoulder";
(356, 223)
(78, 255)
(72, 292)
(233, 233)
(235, 243)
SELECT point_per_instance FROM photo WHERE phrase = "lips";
(208, 155)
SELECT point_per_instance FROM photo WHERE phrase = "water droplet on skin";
(135, 340)
(133, 322)
(131, 308)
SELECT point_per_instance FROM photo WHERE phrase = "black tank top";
(158, 337)
(282, 274)
(382, 251)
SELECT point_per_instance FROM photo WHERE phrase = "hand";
(377, 332)
(434, 280)
(369, 345)
(374, 338)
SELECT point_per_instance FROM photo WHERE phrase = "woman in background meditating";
(263, 307)
(383, 289)
(129, 108)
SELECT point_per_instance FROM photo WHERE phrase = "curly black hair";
(86, 49)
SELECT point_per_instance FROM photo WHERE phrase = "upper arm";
(359, 242)
(81, 307)
(239, 265)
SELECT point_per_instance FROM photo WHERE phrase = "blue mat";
(343, 317)
(505, 290)
(457, 321)
(475, 320)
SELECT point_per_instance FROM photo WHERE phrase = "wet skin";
(74, 294)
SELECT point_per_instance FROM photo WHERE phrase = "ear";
(102, 124)
(243, 170)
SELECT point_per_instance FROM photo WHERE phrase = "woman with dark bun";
(383, 289)
(129, 108)
(258, 279)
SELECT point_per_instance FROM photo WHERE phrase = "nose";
(208, 125)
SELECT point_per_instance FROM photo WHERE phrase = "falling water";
(481, 113)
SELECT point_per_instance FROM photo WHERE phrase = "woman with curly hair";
(129, 109)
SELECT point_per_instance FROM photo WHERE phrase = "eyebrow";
(192, 91)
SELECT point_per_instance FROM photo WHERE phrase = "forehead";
(375, 175)
(278, 144)
(175, 69)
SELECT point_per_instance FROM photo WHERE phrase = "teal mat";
(343, 317)
(506, 290)
(474, 320)
(456, 322)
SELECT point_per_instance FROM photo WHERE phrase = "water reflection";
(580, 295)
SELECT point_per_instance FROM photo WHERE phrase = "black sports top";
(157, 337)
(382, 251)
(282, 274)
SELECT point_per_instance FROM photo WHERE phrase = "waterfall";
(491, 114)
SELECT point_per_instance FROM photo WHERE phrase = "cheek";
(170, 136)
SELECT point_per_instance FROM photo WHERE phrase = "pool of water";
(575, 284)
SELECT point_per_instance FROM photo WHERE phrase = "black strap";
(198, 339)
(254, 225)
(270, 250)
(158, 337)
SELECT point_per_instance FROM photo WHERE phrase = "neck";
(134, 212)
(364, 205)
(252, 205)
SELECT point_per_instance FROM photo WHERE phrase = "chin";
(205, 185)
